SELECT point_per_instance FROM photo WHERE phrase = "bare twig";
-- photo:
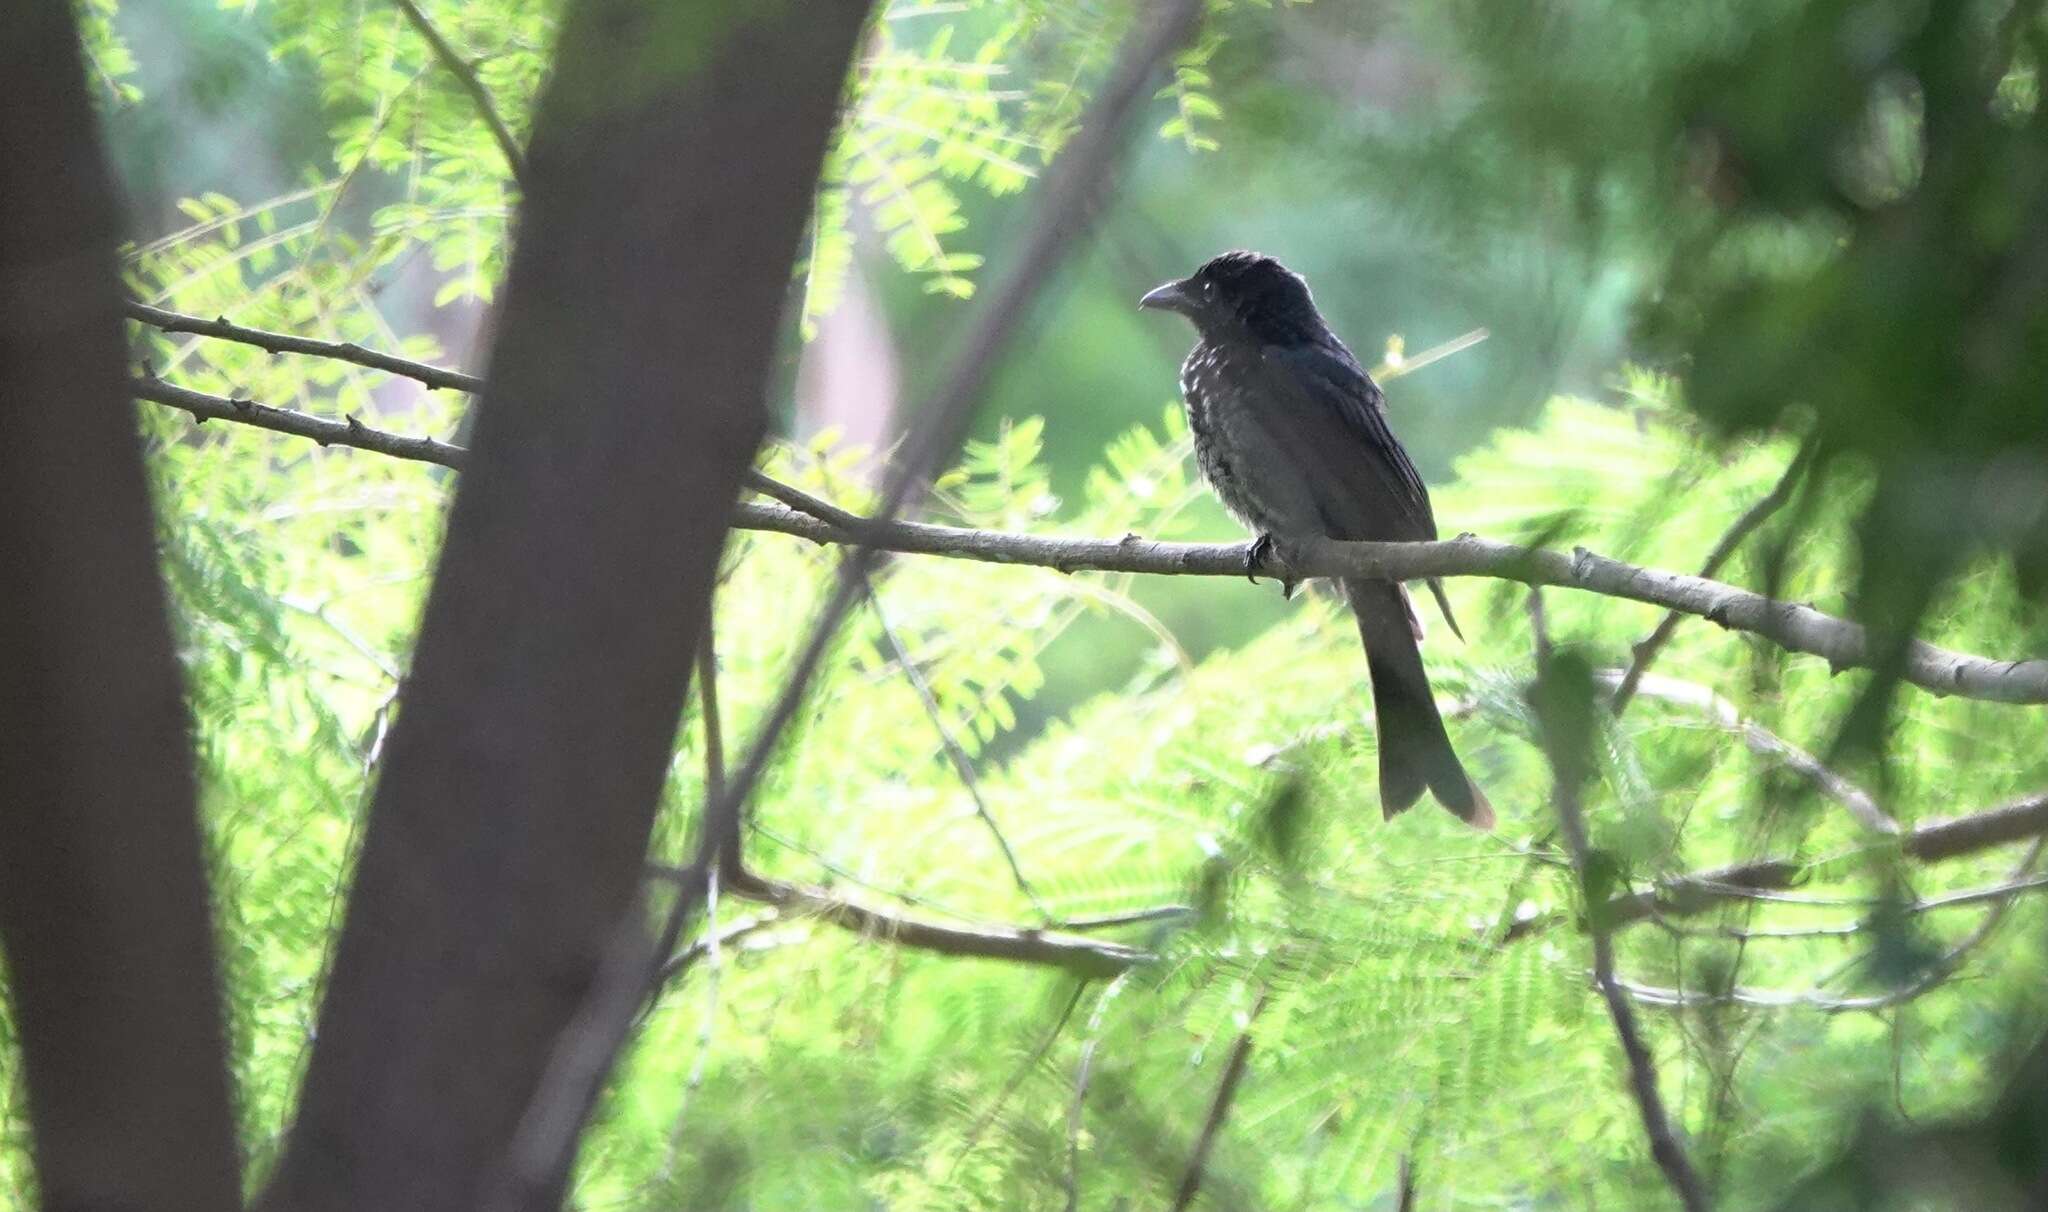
(962, 765)
(1791, 626)
(1082, 1073)
(1755, 516)
(465, 75)
(2020, 820)
(1219, 1108)
(1568, 747)
(1085, 957)
(1131, 917)
(1404, 1201)
(1762, 742)
(1935, 974)
(1017, 1076)
(731, 934)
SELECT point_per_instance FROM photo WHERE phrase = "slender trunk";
(670, 177)
(103, 913)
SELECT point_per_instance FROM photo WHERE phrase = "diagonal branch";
(1762, 742)
(963, 765)
(1219, 1108)
(1084, 957)
(465, 75)
(1562, 699)
(1794, 627)
(1755, 516)
(1061, 215)
(1935, 974)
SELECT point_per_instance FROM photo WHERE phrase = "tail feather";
(1415, 752)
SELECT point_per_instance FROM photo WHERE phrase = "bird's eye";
(1208, 289)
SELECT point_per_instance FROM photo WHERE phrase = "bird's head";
(1243, 293)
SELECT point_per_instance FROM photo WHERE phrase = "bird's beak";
(1174, 296)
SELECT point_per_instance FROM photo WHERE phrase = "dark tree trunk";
(672, 171)
(103, 912)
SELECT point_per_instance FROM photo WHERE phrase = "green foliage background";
(1390, 1012)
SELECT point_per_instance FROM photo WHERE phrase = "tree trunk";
(103, 911)
(671, 174)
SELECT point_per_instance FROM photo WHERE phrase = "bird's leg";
(1256, 556)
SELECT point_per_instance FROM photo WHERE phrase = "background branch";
(1562, 700)
(955, 754)
(1219, 1108)
(465, 75)
(1647, 649)
(1084, 957)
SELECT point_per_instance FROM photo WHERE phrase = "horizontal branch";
(1791, 626)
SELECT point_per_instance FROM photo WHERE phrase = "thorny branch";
(1792, 626)
(819, 521)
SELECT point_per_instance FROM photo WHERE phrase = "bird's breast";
(1250, 473)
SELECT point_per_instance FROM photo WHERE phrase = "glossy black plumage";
(1292, 434)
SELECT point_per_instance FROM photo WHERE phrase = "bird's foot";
(1262, 550)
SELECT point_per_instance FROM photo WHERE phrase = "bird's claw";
(1255, 558)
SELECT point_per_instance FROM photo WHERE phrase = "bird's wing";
(1322, 404)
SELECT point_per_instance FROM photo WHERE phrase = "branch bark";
(110, 958)
(1792, 626)
(669, 182)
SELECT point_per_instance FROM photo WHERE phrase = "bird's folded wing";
(1324, 410)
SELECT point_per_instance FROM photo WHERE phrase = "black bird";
(1292, 434)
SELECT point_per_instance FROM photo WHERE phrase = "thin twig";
(1082, 1073)
(1935, 974)
(1219, 1108)
(1404, 1179)
(1762, 742)
(714, 753)
(731, 934)
(1016, 1078)
(963, 766)
(1084, 957)
(2020, 820)
(1755, 516)
(1794, 627)
(1129, 917)
(465, 75)
(1570, 764)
